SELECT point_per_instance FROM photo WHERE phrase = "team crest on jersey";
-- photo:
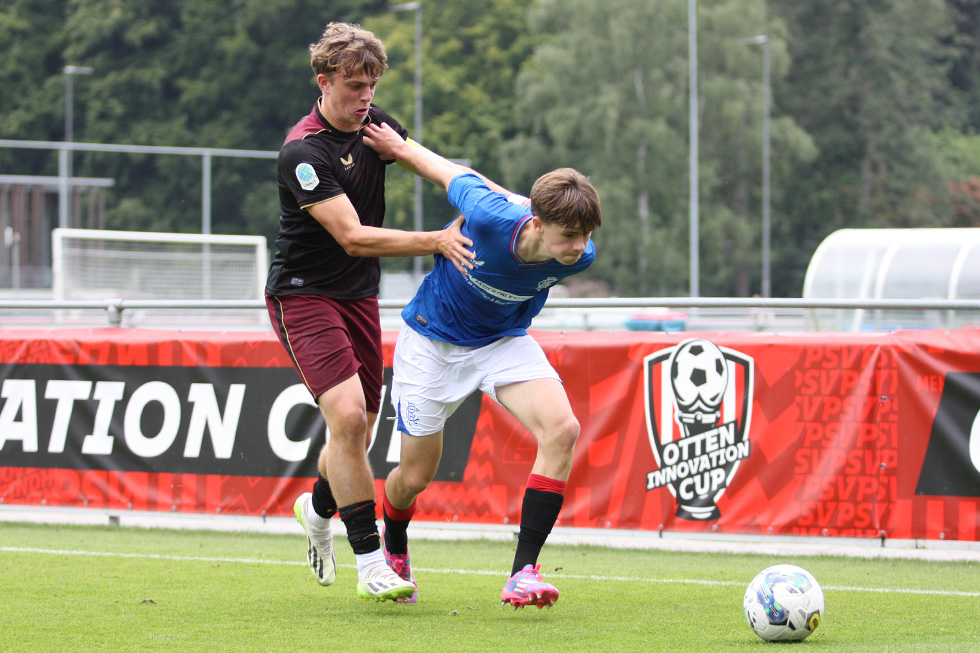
(698, 399)
(306, 176)
(547, 283)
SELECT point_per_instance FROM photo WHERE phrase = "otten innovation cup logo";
(698, 409)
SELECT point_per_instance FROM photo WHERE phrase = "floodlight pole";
(65, 160)
(766, 195)
(417, 226)
(643, 196)
(692, 52)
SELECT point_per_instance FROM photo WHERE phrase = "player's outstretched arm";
(419, 160)
(426, 163)
(339, 217)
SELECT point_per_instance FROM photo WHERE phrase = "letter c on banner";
(975, 442)
(287, 449)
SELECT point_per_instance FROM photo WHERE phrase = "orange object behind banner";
(843, 434)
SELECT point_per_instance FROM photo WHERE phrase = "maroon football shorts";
(331, 340)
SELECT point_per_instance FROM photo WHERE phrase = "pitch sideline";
(472, 572)
(773, 545)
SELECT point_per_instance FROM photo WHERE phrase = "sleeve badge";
(307, 176)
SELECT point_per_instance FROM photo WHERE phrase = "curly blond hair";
(348, 49)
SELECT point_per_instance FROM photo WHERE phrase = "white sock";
(314, 519)
(365, 560)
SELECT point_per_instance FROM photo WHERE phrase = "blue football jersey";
(503, 293)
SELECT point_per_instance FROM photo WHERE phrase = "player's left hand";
(455, 246)
(384, 140)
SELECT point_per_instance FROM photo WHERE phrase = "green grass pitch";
(89, 588)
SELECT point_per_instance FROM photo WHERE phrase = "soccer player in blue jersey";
(468, 330)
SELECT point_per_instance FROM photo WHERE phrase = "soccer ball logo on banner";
(698, 408)
(698, 378)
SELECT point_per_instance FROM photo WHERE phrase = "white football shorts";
(431, 378)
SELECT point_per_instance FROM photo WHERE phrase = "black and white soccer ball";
(699, 378)
(783, 603)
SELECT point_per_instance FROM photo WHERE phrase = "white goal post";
(94, 264)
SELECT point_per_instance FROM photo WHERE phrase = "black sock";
(323, 502)
(539, 512)
(396, 534)
(362, 526)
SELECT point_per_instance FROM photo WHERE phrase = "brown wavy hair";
(566, 197)
(348, 49)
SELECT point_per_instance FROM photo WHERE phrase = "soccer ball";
(699, 378)
(783, 603)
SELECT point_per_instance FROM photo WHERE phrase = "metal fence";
(567, 314)
(206, 154)
(24, 309)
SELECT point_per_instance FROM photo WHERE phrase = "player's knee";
(348, 424)
(564, 436)
(322, 464)
(415, 478)
(570, 430)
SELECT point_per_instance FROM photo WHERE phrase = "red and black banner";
(838, 434)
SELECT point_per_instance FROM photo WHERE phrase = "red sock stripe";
(354, 508)
(399, 515)
(545, 484)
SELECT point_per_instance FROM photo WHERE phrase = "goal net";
(92, 264)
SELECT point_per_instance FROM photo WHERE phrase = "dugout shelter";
(894, 264)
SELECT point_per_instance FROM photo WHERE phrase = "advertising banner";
(842, 434)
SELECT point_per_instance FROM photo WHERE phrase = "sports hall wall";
(853, 434)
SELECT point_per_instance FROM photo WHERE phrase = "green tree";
(963, 47)
(472, 51)
(865, 82)
(31, 89)
(607, 93)
(228, 73)
(874, 113)
(960, 154)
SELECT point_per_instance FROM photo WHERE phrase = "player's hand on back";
(455, 246)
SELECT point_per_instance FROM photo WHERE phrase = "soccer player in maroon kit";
(323, 286)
